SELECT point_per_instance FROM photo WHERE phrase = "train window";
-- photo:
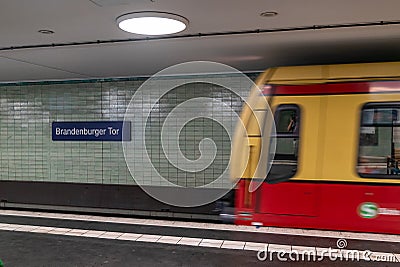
(284, 165)
(379, 142)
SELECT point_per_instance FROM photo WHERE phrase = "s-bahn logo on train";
(368, 210)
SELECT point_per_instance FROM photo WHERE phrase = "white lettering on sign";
(113, 131)
(82, 131)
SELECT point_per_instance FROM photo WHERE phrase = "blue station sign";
(91, 131)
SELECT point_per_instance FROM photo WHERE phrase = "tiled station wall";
(27, 152)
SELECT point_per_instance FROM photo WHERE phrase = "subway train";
(337, 153)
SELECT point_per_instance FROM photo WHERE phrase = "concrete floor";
(59, 242)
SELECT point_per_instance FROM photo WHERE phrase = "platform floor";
(54, 239)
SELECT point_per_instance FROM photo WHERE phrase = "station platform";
(54, 239)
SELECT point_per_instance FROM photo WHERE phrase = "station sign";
(91, 131)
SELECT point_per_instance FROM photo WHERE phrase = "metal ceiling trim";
(202, 35)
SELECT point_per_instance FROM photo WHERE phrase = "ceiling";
(88, 44)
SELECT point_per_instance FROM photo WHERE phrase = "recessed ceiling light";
(269, 14)
(46, 31)
(152, 23)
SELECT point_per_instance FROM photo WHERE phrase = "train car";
(336, 164)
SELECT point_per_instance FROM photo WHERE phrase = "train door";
(285, 192)
(378, 158)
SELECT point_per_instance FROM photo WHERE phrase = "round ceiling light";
(152, 23)
(45, 31)
(269, 14)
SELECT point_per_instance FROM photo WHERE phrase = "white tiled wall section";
(28, 154)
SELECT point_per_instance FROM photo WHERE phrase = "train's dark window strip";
(379, 141)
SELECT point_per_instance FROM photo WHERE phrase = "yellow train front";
(336, 164)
